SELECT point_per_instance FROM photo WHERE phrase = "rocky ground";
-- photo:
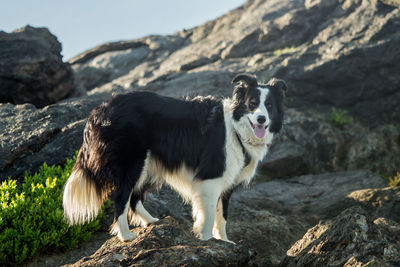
(320, 175)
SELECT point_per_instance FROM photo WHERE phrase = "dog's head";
(258, 108)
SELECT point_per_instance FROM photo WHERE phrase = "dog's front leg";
(219, 230)
(204, 204)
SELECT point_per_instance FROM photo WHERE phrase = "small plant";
(286, 50)
(395, 180)
(340, 118)
(31, 216)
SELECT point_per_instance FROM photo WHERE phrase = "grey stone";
(31, 68)
(313, 194)
(31, 136)
(350, 239)
(285, 159)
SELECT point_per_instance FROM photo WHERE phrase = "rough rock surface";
(167, 243)
(31, 136)
(31, 68)
(331, 53)
(350, 239)
(378, 202)
(312, 144)
(313, 194)
(363, 230)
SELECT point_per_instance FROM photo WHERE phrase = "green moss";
(395, 180)
(340, 118)
(31, 216)
(286, 50)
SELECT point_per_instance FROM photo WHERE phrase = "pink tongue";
(259, 131)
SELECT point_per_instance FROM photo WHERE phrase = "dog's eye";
(269, 105)
(253, 104)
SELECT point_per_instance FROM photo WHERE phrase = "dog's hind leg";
(120, 226)
(138, 214)
(122, 200)
(204, 204)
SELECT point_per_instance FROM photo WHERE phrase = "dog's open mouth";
(259, 130)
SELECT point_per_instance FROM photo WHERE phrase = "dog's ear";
(248, 79)
(279, 83)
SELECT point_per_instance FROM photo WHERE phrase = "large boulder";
(363, 229)
(351, 239)
(378, 202)
(31, 68)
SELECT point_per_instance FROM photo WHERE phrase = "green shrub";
(395, 180)
(340, 118)
(31, 216)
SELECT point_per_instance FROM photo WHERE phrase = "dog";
(202, 148)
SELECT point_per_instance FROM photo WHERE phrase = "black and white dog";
(202, 148)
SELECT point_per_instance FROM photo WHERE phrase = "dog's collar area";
(247, 157)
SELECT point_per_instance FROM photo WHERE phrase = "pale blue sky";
(83, 24)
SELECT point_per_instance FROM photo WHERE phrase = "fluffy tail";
(81, 199)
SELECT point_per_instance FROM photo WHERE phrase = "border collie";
(201, 147)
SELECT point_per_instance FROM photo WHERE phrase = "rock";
(364, 87)
(302, 42)
(119, 60)
(167, 243)
(285, 159)
(311, 195)
(31, 68)
(264, 225)
(309, 143)
(326, 58)
(377, 202)
(31, 136)
(350, 239)
(378, 149)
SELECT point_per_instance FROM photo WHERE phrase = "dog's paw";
(126, 237)
(150, 221)
(203, 236)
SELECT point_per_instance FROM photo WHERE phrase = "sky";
(82, 24)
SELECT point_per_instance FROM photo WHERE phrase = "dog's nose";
(261, 119)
